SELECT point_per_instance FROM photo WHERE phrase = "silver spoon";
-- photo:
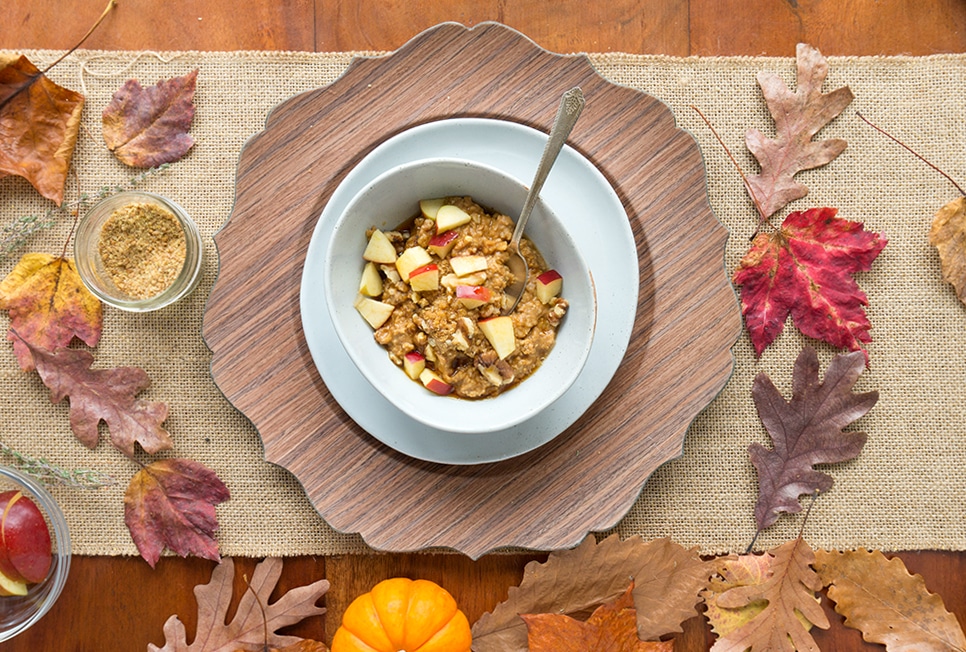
(571, 104)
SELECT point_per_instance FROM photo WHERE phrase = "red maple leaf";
(805, 269)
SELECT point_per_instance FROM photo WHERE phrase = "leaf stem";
(107, 10)
(911, 151)
(763, 219)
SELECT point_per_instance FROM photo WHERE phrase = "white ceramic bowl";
(391, 199)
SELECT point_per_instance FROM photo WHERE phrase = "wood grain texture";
(836, 27)
(586, 479)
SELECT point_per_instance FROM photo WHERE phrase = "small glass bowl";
(17, 613)
(98, 280)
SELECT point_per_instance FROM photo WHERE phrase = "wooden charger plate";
(585, 480)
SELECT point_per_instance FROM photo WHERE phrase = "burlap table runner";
(907, 490)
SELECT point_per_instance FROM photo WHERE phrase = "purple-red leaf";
(805, 269)
(172, 503)
(806, 431)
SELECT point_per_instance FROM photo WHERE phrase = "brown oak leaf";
(879, 597)
(172, 503)
(788, 590)
(611, 628)
(146, 127)
(103, 395)
(48, 306)
(806, 430)
(247, 629)
(798, 117)
(948, 236)
(667, 580)
(39, 122)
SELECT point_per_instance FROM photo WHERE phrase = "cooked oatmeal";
(452, 316)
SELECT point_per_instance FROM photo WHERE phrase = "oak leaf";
(611, 628)
(804, 269)
(48, 306)
(147, 127)
(798, 118)
(39, 122)
(806, 430)
(247, 629)
(172, 503)
(667, 581)
(948, 235)
(879, 597)
(103, 395)
(788, 590)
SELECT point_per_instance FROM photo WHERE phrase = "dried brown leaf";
(948, 235)
(667, 580)
(798, 118)
(247, 629)
(788, 590)
(879, 597)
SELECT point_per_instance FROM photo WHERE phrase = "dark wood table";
(116, 603)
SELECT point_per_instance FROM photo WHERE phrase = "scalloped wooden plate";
(586, 479)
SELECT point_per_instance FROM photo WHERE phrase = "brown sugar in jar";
(143, 248)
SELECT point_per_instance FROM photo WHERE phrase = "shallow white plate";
(584, 200)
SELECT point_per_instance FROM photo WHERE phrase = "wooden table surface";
(113, 603)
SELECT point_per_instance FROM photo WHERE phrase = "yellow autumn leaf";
(948, 235)
(48, 306)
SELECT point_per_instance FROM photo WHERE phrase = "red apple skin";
(443, 243)
(26, 539)
(6, 566)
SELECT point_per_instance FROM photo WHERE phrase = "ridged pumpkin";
(403, 615)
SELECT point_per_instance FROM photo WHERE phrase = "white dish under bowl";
(392, 199)
(607, 244)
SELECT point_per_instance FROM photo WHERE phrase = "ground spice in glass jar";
(142, 247)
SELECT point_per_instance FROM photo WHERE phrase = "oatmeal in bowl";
(415, 273)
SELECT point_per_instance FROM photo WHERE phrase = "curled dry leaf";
(788, 589)
(247, 630)
(611, 628)
(806, 431)
(103, 395)
(667, 581)
(172, 503)
(798, 117)
(48, 306)
(39, 122)
(804, 269)
(948, 235)
(879, 597)
(147, 127)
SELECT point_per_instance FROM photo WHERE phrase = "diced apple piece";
(440, 245)
(413, 364)
(374, 312)
(465, 265)
(411, 259)
(473, 296)
(379, 249)
(26, 539)
(548, 285)
(371, 282)
(449, 217)
(499, 332)
(425, 278)
(431, 381)
(429, 207)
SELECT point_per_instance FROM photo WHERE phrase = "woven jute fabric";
(907, 489)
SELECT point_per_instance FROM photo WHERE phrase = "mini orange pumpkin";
(403, 615)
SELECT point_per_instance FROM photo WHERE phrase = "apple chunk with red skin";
(431, 381)
(549, 285)
(499, 332)
(473, 296)
(25, 538)
(425, 278)
(440, 245)
(413, 364)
